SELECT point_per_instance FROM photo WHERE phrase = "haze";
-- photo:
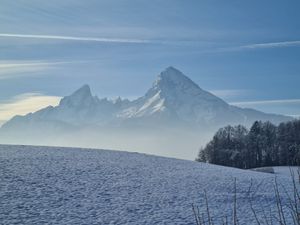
(243, 52)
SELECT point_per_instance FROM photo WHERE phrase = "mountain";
(173, 107)
(174, 96)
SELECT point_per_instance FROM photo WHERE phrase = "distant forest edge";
(263, 145)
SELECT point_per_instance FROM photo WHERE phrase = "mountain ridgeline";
(173, 110)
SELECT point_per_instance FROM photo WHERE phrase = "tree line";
(263, 145)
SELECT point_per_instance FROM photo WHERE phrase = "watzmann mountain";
(172, 99)
(174, 107)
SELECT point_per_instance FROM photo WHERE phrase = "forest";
(264, 144)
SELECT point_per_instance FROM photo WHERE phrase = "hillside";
(87, 186)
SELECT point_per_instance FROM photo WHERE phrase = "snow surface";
(53, 185)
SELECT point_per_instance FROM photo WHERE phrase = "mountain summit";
(173, 96)
(173, 78)
(80, 98)
(173, 82)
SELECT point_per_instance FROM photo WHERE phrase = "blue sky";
(246, 52)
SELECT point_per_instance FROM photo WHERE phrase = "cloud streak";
(14, 64)
(73, 38)
(13, 69)
(271, 45)
(267, 102)
(24, 104)
(148, 41)
(266, 45)
(227, 93)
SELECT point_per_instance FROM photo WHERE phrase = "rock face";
(174, 103)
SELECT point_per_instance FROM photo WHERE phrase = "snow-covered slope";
(177, 97)
(173, 96)
(78, 109)
(46, 185)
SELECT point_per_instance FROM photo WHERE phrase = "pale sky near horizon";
(246, 52)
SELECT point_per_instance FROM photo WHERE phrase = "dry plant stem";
(196, 216)
(264, 214)
(207, 209)
(251, 205)
(279, 204)
(292, 205)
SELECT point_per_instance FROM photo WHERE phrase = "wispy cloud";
(14, 64)
(271, 45)
(152, 41)
(295, 116)
(13, 69)
(227, 93)
(289, 107)
(176, 42)
(260, 46)
(25, 103)
(267, 102)
(73, 38)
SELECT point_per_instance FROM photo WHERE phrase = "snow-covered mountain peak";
(81, 97)
(171, 73)
(84, 91)
(173, 84)
(173, 78)
(174, 95)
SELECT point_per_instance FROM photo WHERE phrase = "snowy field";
(43, 185)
